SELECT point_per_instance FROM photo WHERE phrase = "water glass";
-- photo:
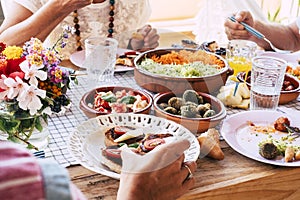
(267, 77)
(100, 59)
(239, 54)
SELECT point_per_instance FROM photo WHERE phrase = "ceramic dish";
(163, 83)
(235, 131)
(87, 100)
(86, 141)
(78, 58)
(195, 125)
(285, 96)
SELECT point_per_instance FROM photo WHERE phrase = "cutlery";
(259, 35)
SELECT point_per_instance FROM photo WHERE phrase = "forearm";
(283, 37)
(39, 24)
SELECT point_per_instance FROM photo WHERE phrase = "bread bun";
(111, 165)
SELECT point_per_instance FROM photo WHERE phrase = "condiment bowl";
(286, 95)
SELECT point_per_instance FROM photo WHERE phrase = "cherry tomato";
(151, 144)
(144, 98)
(120, 130)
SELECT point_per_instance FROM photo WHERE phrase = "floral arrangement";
(32, 86)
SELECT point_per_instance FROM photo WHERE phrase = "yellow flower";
(13, 52)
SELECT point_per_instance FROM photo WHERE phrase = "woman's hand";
(235, 30)
(144, 39)
(160, 174)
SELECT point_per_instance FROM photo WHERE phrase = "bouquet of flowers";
(32, 86)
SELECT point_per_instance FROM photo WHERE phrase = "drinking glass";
(100, 59)
(239, 54)
(267, 77)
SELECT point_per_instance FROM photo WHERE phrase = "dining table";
(236, 177)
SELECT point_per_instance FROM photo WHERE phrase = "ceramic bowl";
(195, 125)
(286, 96)
(87, 100)
(162, 83)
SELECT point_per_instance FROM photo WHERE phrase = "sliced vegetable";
(120, 130)
(151, 144)
(109, 97)
(128, 99)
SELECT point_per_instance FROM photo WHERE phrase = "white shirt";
(94, 19)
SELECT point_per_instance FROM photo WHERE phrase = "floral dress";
(94, 19)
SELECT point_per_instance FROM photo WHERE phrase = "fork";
(259, 35)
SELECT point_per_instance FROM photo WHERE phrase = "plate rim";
(119, 68)
(250, 113)
(77, 152)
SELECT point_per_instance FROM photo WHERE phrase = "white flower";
(47, 111)
(3, 87)
(29, 99)
(15, 86)
(32, 72)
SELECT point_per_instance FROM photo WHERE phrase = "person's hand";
(235, 30)
(144, 39)
(160, 174)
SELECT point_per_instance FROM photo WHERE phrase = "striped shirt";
(23, 176)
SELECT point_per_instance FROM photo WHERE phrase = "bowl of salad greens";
(176, 70)
(115, 99)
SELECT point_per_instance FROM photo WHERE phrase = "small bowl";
(88, 99)
(195, 125)
(285, 96)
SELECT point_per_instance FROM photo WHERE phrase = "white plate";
(78, 58)
(86, 141)
(235, 131)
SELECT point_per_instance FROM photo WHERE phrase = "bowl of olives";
(289, 91)
(196, 111)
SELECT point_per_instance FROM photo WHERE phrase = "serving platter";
(78, 58)
(236, 132)
(86, 142)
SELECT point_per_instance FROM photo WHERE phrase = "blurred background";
(203, 19)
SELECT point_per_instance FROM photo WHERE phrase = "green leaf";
(38, 124)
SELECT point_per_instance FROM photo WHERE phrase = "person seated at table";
(124, 20)
(285, 37)
(26, 177)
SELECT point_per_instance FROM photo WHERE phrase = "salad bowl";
(167, 82)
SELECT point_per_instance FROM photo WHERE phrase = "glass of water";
(100, 59)
(267, 77)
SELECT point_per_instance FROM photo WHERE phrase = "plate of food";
(264, 136)
(124, 62)
(96, 143)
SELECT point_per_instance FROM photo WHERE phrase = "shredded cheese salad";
(183, 64)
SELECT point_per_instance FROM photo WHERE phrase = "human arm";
(17, 29)
(282, 36)
(149, 177)
(26, 177)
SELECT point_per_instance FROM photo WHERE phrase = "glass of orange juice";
(239, 54)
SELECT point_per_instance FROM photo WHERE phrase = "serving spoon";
(259, 35)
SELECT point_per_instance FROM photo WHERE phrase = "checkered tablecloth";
(60, 126)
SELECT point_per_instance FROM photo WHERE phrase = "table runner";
(61, 126)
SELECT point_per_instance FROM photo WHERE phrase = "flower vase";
(20, 127)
